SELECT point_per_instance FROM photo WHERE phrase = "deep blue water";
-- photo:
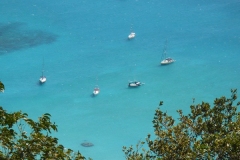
(82, 41)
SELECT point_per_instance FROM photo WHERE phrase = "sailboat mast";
(131, 28)
(165, 50)
(43, 67)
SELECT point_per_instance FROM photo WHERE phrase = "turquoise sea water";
(82, 41)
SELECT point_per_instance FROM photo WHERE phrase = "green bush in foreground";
(206, 133)
(17, 144)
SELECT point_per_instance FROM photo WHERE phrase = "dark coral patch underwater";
(16, 36)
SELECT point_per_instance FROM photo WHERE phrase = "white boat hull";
(96, 91)
(43, 79)
(167, 61)
(131, 35)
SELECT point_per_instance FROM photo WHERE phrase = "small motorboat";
(131, 35)
(134, 84)
(96, 91)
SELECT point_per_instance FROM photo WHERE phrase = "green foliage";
(206, 133)
(17, 144)
(1, 87)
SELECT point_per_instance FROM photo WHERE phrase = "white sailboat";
(43, 78)
(132, 34)
(165, 59)
(96, 90)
